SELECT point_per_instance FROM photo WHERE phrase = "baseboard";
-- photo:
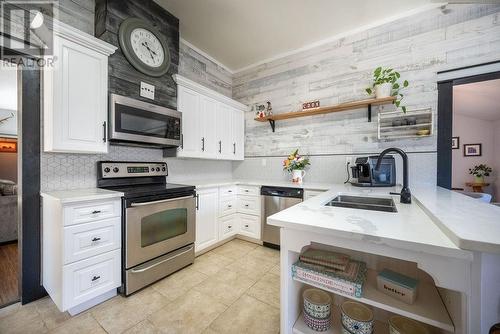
(93, 302)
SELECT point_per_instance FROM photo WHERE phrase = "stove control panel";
(110, 169)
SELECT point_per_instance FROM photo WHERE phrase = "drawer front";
(89, 278)
(227, 206)
(89, 239)
(227, 227)
(227, 191)
(250, 226)
(248, 190)
(249, 205)
(91, 211)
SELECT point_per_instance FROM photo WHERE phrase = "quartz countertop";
(78, 195)
(413, 227)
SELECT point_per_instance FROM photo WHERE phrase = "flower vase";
(383, 90)
(478, 179)
(298, 175)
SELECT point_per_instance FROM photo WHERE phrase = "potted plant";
(296, 164)
(479, 172)
(386, 83)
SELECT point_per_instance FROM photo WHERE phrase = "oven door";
(140, 122)
(155, 228)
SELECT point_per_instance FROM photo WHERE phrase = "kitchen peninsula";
(435, 243)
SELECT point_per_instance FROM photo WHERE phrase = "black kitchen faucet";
(405, 192)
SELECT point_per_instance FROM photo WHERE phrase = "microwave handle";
(161, 201)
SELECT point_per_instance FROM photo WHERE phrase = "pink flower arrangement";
(295, 162)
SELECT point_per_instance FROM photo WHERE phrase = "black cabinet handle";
(203, 144)
(104, 131)
(229, 206)
(246, 205)
(197, 202)
(246, 225)
(95, 278)
(95, 239)
(182, 141)
(220, 146)
(234, 148)
(230, 226)
(229, 191)
(96, 212)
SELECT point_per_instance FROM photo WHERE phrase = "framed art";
(455, 143)
(472, 150)
(8, 146)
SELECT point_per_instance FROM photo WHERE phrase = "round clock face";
(144, 47)
(147, 47)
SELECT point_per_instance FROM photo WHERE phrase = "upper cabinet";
(75, 93)
(213, 125)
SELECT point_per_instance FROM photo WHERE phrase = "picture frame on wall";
(455, 143)
(8, 146)
(472, 150)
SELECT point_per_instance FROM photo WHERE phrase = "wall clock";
(144, 47)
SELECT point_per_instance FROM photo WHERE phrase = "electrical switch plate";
(147, 91)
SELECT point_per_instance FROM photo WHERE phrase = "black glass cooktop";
(152, 189)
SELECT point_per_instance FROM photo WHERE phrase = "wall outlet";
(349, 160)
(147, 91)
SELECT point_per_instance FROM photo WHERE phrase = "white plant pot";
(298, 175)
(383, 90)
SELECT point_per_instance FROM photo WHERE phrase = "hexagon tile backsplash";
(61, 171)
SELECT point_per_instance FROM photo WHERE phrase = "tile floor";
(231, 289)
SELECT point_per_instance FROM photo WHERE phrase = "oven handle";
(161, 201)
(136, 271)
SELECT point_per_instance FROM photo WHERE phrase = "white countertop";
(200, 184)
(410, 228)
(78, 195)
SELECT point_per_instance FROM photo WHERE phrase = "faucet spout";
(405, 192)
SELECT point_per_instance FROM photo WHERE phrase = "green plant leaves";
(369, 91)
(388, 75)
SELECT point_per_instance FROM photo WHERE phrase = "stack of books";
(332, 271)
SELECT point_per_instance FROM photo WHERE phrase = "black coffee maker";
(365, 175)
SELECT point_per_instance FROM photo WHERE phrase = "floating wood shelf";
(326, 110)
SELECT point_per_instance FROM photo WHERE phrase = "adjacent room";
(254, 167)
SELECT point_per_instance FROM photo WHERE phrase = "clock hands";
(151, 52)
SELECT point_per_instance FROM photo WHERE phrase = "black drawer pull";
(95, 239)
(229, 206)
(246, 205)
(246, 190)
(230, 226)
(229, 191)
(96, 212)
(95, 278)
(246, 225)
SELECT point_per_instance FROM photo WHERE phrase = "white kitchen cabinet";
(206, 218)
(75, 93)
(250, 225)
(212, 124)
(228, 227)
(81, 248)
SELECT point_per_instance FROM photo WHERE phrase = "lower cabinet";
(228, 226)
(81, 253)
(207, 231)
(250, 225)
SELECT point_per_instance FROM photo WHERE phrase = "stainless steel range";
(158, 227)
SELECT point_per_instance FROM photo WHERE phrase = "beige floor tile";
(276, 270)
(22, 319)
(119, 315)
(9, 310)
(232, 251)
(144, 327)
(250, 267)
(265, 254)
(244, 244)
(210, 331)
(179, 283)
(267, 290)
(50, 314)
(248, 315)
(225, 287)
(81, 324)
(210, 263)
(190, 313)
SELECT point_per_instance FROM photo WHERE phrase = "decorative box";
(397, 285)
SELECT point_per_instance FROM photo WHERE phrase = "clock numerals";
(147, 47)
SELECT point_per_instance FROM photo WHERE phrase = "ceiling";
(480, 100)
(239, 33)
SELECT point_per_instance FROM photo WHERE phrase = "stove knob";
(116, 170)
(157, 169)
(107, 170)
(163, 169)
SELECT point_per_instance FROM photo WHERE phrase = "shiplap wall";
(417, 46)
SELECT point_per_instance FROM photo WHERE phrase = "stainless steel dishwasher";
(275, 200)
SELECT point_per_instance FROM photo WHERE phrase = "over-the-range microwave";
(138, 123)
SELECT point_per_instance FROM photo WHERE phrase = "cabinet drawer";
(89, 239)
(89, 278)
(248, 190)
(227, 206)
(91, 211)
(249, 205)
(227, 227)
(227, 191)
(250, 226)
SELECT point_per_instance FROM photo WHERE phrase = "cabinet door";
(208, 137)
(224, 132)
(75, 100)
(206, 218)
(238, 134)
(188, 102)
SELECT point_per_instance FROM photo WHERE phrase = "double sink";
(364, 203)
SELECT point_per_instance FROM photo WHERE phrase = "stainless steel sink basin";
(364, 203)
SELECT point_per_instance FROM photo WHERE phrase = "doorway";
(469, 135)
(9, 157)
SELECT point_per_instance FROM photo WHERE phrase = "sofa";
(8, 211)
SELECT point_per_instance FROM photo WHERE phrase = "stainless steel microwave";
(134, 122)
